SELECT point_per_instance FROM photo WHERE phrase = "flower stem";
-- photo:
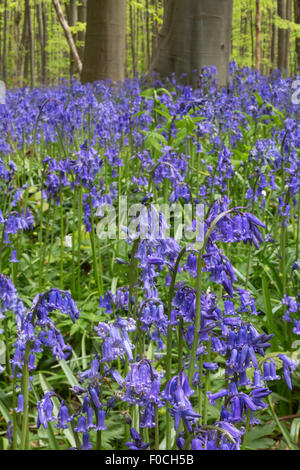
(14, 404)
(247, 429)
(25, 391)
(79, 243)
(156, 427)
(206, 387)
(61, 281)
(169, 343)
(197, 318)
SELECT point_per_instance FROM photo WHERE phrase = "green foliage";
(144, 19)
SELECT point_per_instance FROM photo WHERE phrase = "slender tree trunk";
(137, 23)
(132, 38)
(148, 34)
(81, 34)
(143, 38)
(4, 70)
(41, 38)
(68, 34)
(73, 18)
(258, 35)
(104, 53)
(243, 30)
(297, 20)
(273, 43)
(155, 25)
(252, 37)
(194, 34)
(31, 42)
(17, 20)
(1, 51)
(45, 41)
(287, 34)
(281, 35)
(26, 45)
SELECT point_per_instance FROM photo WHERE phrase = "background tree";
(258, 33)
(297, 21)
(194, 34)
(70, 38)
(104, 53)
(82, 13)
(43, 46)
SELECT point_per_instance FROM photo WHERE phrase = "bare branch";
(68, 35)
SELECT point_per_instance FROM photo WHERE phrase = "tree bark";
(195, 33)
(25, 45)
(73, 18)
(17, 20)
(45, 40)
(281, 35)
(155, 25)
(287, 33)
(31, 42)
(258, 34)
(40, 38)
(273, 33)
(1, 51)
(297, 20)
(104, 54)
(4, 71)
(243, 30)
(68, 34)
(132, 36)
(81, 34)
(148, 34)
(137, 37)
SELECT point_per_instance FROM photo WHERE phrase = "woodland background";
(34, 49)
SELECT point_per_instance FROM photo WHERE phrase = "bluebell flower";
(137, 443)
(45, 410)
(86, 444)
(20, 406)
(100, 426)
(63, 417)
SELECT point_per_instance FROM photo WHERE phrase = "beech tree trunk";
(104, 53)
(297, 20)
(195, 33)
(155, 25)
(31, 43)
(273, 32)
(4, 41)
(1, 52)
(25, 44)
(45, 40)
(81, 34)
(40, 38)
(148, 34)
(258, 35)
(17, 21)
(244, 30)
(73, 18)
(132, 38)
(287, 33)
(281, 36)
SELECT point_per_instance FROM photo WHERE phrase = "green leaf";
(4, 411)
(282, 427)
(83, 352)
(68, 373)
